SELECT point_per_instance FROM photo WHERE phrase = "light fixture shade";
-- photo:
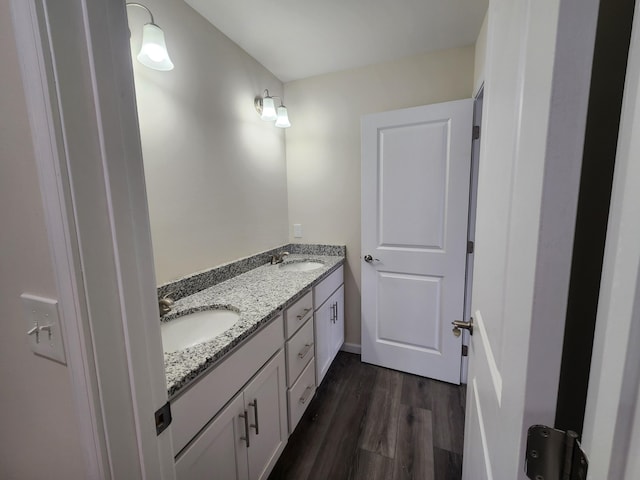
(268, 109)
(153, 52)
(283, 117)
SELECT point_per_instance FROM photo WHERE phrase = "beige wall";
(216, 175)
(323, 145)
(480, 56)
(39, 435)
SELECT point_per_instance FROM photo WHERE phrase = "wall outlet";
(297, 230)
(43, 326)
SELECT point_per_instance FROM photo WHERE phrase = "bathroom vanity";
(236, 399)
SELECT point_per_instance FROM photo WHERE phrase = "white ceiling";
(301, 38)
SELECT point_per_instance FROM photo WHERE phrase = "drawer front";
(298, 313)
(326, 287)
(300, 395)
(299, 352)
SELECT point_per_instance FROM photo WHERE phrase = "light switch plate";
(297, 230)
(43, 326)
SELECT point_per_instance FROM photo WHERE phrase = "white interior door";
(534, 116)
(415, 200)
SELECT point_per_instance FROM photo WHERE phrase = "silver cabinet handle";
(254, 404)
(303, 314)
(307, 348)
(246, 428)
(336, 306)
(306, 393)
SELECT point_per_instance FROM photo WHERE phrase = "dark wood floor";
(371, 423)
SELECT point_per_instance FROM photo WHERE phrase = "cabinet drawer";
(300, 395)
(325, 288)
(299, 351)
(298, 313)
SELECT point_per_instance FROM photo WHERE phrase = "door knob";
(458, 325)
(369, 259)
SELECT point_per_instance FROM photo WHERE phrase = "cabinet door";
(323, 321)
(265, 400)
(219, 451)
(337, 327)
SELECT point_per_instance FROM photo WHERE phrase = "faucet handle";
(168, 294)
(278, 257)
(165, 303)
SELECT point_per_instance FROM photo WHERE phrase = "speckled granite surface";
(258, 295)
(199, 281)
(312, 249)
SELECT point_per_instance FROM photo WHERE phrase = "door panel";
(218, 452)
(265, 401)
(322, 323)
(412, 191)
(415, 200)
(337, 328)
(418, 297)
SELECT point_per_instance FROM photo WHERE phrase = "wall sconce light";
(266, 108)
(153, 53)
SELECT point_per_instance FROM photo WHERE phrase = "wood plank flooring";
(371, 423)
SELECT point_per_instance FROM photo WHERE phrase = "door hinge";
(163, 418)
(476, 132)
(465, 351)
(470, 246)
(554, 455)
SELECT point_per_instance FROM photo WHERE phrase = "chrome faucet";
(165, 304)
(278, 258)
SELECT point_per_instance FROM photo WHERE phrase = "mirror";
(215, 172)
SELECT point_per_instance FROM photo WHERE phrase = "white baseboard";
(351, 348)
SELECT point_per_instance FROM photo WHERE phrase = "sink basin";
(305, 266)
(195, 328)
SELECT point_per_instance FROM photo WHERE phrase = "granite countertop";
(258, 295)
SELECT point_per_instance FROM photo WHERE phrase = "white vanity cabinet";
(233, 422)
(246, 437)
(300, 353)
(328, 320)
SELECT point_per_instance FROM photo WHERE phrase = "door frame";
(78, 81)
(478, 100)
(612, 417)
(610, 58)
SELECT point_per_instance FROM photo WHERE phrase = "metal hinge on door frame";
(554, 455)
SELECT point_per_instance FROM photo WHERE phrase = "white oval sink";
(305, 266)
(196, 328)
